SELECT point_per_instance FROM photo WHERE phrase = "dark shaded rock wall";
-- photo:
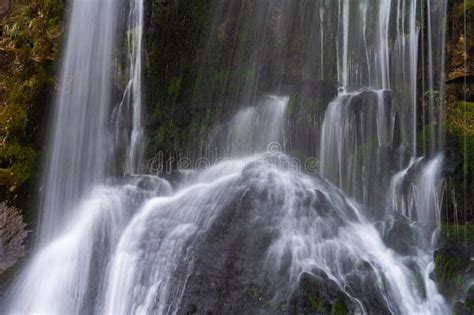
(460, 113)
(453, 259)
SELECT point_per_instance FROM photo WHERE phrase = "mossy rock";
(469, 301)
(451, 266)
(317, 294)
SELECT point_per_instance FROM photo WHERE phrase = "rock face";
(460, 48)
(454, 268)
(177, 31)
(12, 236)
(228, 273)
(174, 40)
(317, 294)
(460, 112)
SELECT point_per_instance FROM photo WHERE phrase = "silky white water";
(79, 148)
(75, 197)
(128, 115)
(130, 250)
(257, 218)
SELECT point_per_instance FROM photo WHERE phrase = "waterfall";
(128, 114)
(262, 228)
(416, 192)
(242, 135)
(78, 148)
(359, 138)
(357, 133)
(78, 207)
(435, 60)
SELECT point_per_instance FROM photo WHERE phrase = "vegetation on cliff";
(30, 32)
(460, 113)
(453, 265)
(460, 110)
(30, 39)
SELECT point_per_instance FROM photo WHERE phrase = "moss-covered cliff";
(174, 32)
(191, 65)
(205, 58)
(178, 36)
(454, 267)
(460, 111)
(30, 38)
(30, 33)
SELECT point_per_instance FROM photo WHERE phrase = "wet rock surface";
(13, 235)
(230, 275)
(454, 269)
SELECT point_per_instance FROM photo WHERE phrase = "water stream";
(248, 233)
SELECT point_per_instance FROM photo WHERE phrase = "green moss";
(449, 267)
(157, 109)
(339, 308)
(318, 304)
(255, 293)
(468, 149)
(18, 162)
(30, 38)
(313, 302)
(292, 103)
(171, 67)
(459, 281)
(460, 140)
(427, 137)
(453, 263)
(450, 272)
(466, 5)
(223, 76)
(210, 116)
(463, 233)
(175, 86)
(467, 106)
(246, 73)
(469, 304)
(161, 134)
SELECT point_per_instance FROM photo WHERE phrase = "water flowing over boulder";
(340, 84)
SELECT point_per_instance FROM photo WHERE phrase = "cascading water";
(357, 134)
(78, 147)
(127, 115)
(257, 232)
(241, 136)
(78, 197)
(360, 144)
